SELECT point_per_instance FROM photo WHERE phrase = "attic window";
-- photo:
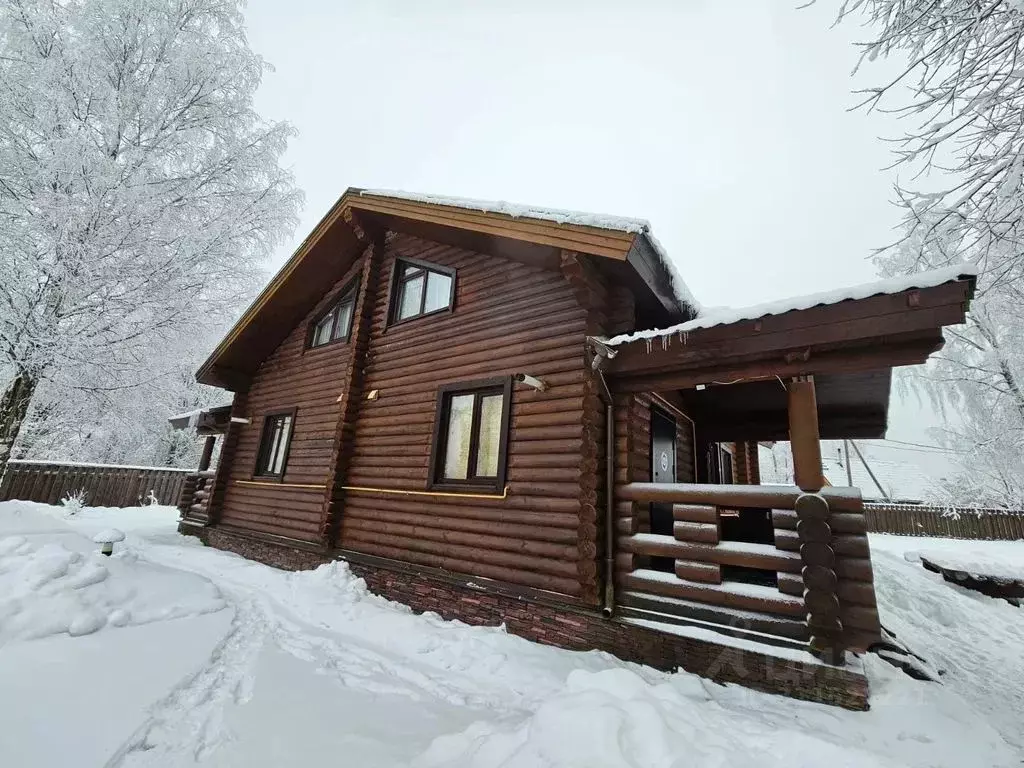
(419, 289)
(334, 323)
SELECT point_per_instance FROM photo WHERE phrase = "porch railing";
(819, 555)
(194, 502)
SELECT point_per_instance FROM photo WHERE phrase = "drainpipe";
(602, 353)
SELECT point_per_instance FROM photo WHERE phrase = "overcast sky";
(726, 125)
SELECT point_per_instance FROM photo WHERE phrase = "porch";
(197, 490)
(785, 566)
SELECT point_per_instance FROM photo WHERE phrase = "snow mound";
(616, 718)
(974, 563)
(63, 586)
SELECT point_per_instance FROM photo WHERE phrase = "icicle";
(647, 341)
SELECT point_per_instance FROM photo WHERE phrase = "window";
(274, 443)
(471, 434)
(335, 323)
(419, 289)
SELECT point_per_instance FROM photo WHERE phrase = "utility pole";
(846, 458)
(872, 474)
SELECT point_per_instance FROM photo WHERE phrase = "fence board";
(946, 522)
(105, 485)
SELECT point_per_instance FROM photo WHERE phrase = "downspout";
(603, 352)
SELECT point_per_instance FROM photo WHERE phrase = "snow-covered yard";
(169, 653)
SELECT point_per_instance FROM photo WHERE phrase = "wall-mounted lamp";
(239, 420)
(373, 394)
(525, 378)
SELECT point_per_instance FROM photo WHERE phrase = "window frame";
(348, 294)
(262, 447)
(500, 385)
(397, 280)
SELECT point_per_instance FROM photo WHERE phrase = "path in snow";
(310, 668)
(977, 642)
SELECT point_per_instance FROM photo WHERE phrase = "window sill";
(334, 343)
(445, 311)
(475, 488)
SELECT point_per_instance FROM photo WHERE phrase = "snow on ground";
(976, 642)
(196, 655)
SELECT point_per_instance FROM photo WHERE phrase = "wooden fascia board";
(871, 357)
(610, 243)
(876, 317)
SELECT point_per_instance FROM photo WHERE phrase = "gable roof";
(625, 248)
(559, 216)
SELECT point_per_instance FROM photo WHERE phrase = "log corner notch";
(820, 582)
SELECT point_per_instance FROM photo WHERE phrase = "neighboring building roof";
(728, 316)
(905, 476)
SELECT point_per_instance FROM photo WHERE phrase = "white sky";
(724, 124)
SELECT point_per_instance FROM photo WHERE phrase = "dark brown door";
(663, 470)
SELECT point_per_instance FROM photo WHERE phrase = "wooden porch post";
(820, 583)
(207, 456)
(803, 434)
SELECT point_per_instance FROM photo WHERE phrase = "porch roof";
(849, 340)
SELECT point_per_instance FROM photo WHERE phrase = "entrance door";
(663, 470)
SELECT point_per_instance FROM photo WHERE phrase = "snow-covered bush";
(73, 502)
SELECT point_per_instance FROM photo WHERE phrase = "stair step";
(737, 619)
(728, 594)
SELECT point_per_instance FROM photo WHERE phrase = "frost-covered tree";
(960, 89)
(139, 192)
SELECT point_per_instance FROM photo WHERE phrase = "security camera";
(525, 378)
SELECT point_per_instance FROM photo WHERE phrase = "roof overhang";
(205, 421)
(850, 347)
(341, 236)
(850, 406)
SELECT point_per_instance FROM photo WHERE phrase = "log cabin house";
(471, 404)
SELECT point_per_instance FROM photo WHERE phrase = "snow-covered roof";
(727, 315)
(900, 480)
(558, 216)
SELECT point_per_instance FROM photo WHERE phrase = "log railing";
(822, 593)
(194, 502)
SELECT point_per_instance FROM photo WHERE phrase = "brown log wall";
(312, 381)
(508, 318)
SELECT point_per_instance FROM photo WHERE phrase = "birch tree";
(960, 91)
(140, 191)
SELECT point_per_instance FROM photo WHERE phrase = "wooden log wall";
(950, 523)
(311, 380)
(508, 318)
(354, 378)
(108, 485)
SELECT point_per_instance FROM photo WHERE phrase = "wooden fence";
(104, 485)
(946, 522)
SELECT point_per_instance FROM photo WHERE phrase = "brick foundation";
(572, 627)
